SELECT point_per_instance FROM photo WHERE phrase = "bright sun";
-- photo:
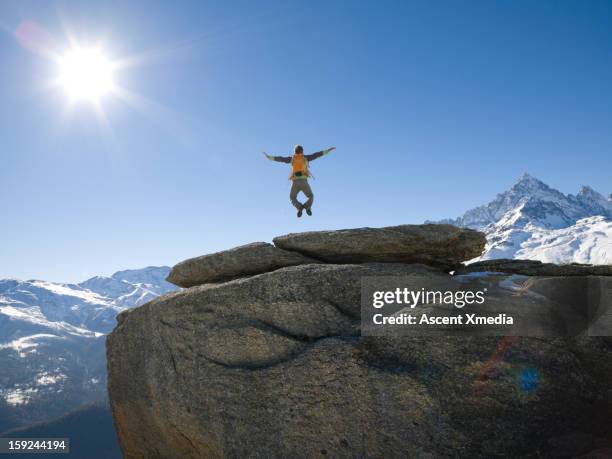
(86, 74)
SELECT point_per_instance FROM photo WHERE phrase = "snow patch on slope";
(588, 241)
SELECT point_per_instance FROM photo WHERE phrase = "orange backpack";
(299, 164)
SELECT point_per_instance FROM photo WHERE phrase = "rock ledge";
(535, 268)
(241, 261)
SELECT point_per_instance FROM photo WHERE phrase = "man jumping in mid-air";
(299, 175)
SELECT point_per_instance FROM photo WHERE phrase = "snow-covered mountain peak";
(586, 190)
(533, 220)
(131, 287)
(143, 275)
(594, 202)
(539, 204)
(528, 187)
(151, 277)
(537, 200)
(529, 182)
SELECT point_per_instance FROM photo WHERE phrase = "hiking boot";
(299, 214)
(309, 212)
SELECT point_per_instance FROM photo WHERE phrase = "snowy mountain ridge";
(534, 221)
(545, 205)
(91, 305)
(52, 337)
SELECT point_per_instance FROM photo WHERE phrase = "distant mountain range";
(52, 339)
(536, 222)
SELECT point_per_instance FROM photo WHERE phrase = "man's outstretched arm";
(318, 154)
(278, 159)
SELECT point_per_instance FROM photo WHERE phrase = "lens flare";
(529, 379)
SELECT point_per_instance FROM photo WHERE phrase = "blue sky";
(434, 107)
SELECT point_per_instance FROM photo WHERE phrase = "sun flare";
(86, 74)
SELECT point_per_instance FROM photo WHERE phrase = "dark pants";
(303, 186)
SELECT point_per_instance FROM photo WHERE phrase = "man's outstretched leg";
(295, 189)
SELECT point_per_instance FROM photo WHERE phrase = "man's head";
(298, 150)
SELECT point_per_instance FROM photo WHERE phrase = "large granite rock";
(274, 366)
(536, 268)
(245, 260)
(441, 245)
